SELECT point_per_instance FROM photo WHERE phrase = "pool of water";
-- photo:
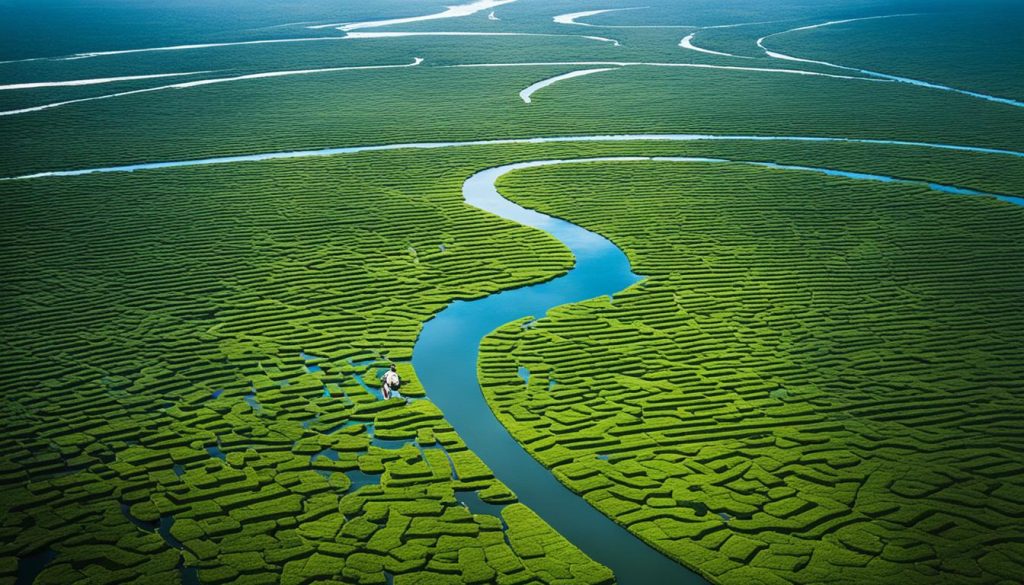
(30, 566)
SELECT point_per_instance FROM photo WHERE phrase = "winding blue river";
(446, 353)
(445, 358)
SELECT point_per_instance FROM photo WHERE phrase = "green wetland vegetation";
(170, 321)
(818, 380)
(905, 46)
(818, 377)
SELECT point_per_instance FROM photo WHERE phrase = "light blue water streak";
(541, 140)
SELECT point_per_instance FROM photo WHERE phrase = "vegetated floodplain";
(181, 343)
(819, 377)
(191, 351)
(434, 103)
(819, 381)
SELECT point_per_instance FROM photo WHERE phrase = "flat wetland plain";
(819, 378)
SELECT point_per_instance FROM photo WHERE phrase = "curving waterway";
(533, 88)
(457, 11)
(446, 354)
(445, 358)
(219, 160)
(876, 74)
(204, 82)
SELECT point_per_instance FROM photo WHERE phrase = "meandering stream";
(445, 355)
(445, 359)
(876, 74)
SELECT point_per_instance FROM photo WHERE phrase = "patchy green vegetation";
(819, 377)
(262, 283)
(819, 380)
(185, 354)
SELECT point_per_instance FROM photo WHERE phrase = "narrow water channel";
(445, 358)
(286, 154)
(446, 353)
